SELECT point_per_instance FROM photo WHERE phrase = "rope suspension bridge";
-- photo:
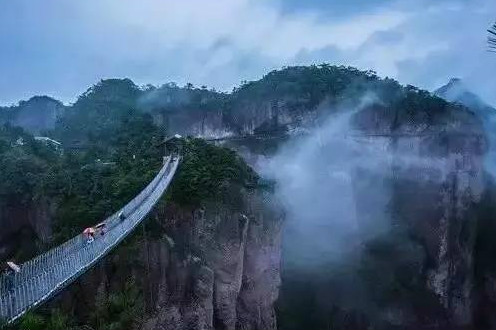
(41, 278)
(349, 135)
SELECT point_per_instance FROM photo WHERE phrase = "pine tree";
(492, 38)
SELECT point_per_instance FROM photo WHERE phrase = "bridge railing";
(50, 272)
(30, 267)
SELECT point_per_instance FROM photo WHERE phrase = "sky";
(60, 48)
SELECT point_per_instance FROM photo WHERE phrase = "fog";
(314, 178)
(336, 187)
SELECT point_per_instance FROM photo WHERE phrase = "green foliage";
(32, 321)
(55, 320)
(211, 173)
(105, 119)
(93, 190)
(84, 189)
(307, 86)
(324, 88)
(24, 163)
(170, 98)
(59, 321)
(108, 123)
(98, 115)
(121, 310)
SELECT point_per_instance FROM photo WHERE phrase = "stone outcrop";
(36, 115)
(24, 224)
(437, 182)
(206, 268)
(231, 260)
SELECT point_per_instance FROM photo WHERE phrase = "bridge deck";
(353, 135)
(50, 272)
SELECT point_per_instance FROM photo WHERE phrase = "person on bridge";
(90, 234)
(102, 227)
(121, 216)
(10, 269)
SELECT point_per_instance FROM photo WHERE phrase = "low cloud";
(59, 48)
(319, 179)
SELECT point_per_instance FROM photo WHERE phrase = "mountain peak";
(454, 86)
(455, 82)
(40, 100)
(456, 91)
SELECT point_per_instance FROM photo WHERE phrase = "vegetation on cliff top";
(211, 173)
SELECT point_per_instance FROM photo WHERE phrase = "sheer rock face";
(203, 268)
(246, 118)
(228, 277)
(438, 179)
(441, 212)
(35, 115)
(22, 224)
(195, 123)
(437, 166)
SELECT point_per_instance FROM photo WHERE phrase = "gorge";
(372, 207)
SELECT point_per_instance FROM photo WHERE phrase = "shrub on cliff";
(211, 173)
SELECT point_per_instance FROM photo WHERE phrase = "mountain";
(456, 91)
(38, 114)
(211, 257)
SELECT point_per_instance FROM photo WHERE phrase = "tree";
(492, 38)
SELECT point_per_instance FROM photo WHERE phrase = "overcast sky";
(60, 47)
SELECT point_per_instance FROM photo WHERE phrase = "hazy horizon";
(59, 49)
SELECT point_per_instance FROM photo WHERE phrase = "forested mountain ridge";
(210, 257)
(298, 98)
(110, 150)
(283, 100)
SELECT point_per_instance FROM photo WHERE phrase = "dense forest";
(111, 149)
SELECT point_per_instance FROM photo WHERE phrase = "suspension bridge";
(348, 135)
(41, 278)
(44, 276)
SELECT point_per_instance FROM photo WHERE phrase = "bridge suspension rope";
(41, 278)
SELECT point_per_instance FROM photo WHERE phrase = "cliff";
(483, 253)
(231, 266)
(415, 171)
(36, 115)
(25, 228)
(210, 258)
(27, 209)
(204, 268)
(437, 163)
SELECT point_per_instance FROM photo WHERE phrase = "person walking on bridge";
(102, 227)
(121, 216)
(10, 269)
(90, 234)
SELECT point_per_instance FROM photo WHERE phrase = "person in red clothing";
(90, 234)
